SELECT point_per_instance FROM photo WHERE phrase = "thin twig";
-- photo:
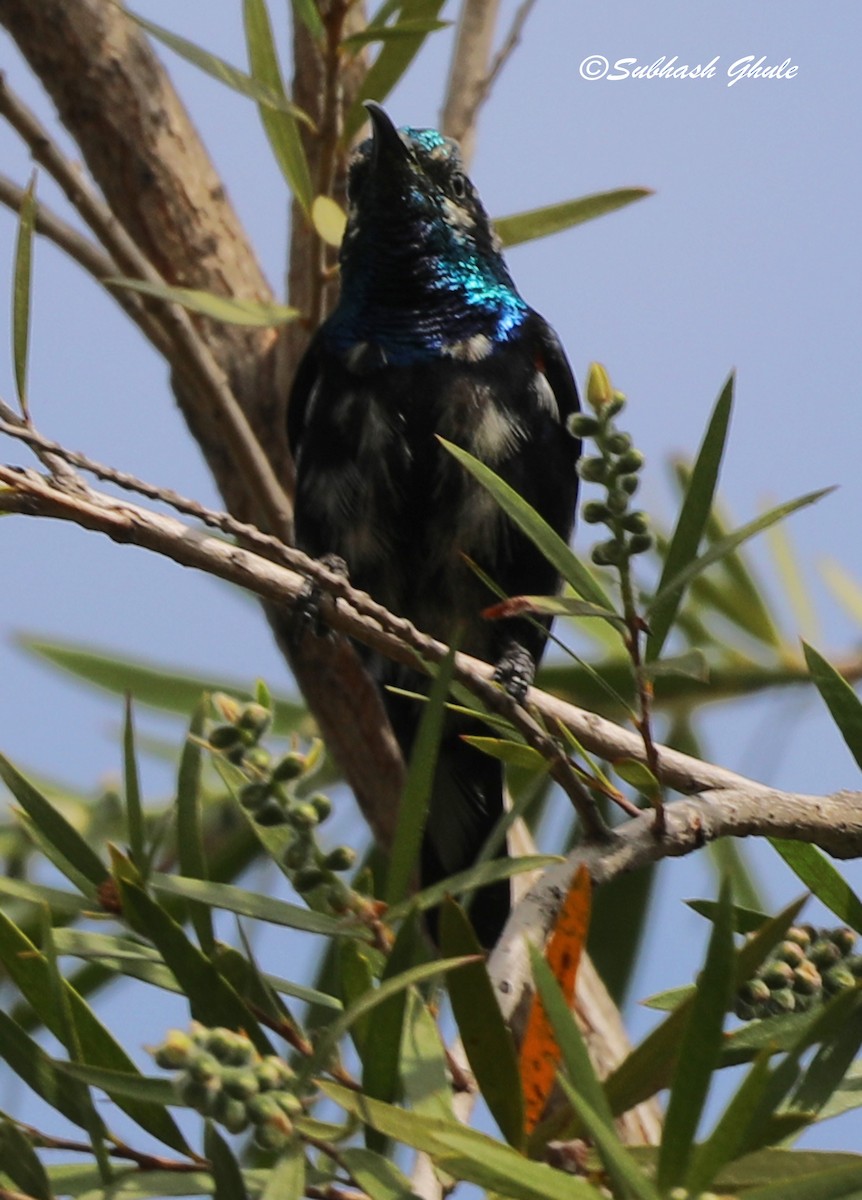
(467, 71)
(247, 451)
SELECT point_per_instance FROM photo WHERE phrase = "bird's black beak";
(387, 145)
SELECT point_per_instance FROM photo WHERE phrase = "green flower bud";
(628, 483)
(791, 953)
(263, 1107)
(273, 1072)
(777, 975)
(229, 1047)
(630, 462)
(582, 425)
(844, 939)
(226, 706)
(223, 737)
(618, 502)
(781, 1002)
(290, 767)
(807, 979)
(241, 1083)
(754, 992)
(254, 719)
(322, 805)
(853, 963)
(298, 853)
(174, 1051)
(341, 858)
(289, 1103)
(200, 1096)
(635, 522)
(303, 816)
(639, 543)
(605, 554)
(231, 1113)
(258, 758)
(338, 897)
(838, 979)
(599, 390)
(618, 443)
(274, 1137)
(271, 812)
(594, 512)
(203, 1067)
(307, 879)
(592, 470)
(802, 935)
(824, 953)
(253, 795)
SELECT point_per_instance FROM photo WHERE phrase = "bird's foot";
(309, 613)
(515, 670)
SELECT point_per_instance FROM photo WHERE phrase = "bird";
(429, 339)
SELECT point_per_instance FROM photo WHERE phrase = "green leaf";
(149, 1089)
(842, 702)
(827, 884)
(488, 1043)
(424, 1071)
(841, 1183)
(691, 522)
(280, 124)
(699, 1051)
(134, 809)
(39, 1071)
(515, 754)
(29, 970)
(464, 1153)
(536, 529)
(728, 1137)
(306, 11)
(211, 998)
(464, 882)
(637, 775)
(190, 838)
(56, 829)
(692, 664)
(378, 1176)
(829, 1066)
(61, 904)
(162, 688)
(541, 222)
(370, 999)
(230, 310)
(252, 904)
(385, 33)
(226, 1173)
(21, 292)
(723, 547)
(286, 1180)
(395, 57)
(223, 71)
(768, 1166)
(416, 796)
(620, 1165)
(745, 920)
(22, 1164)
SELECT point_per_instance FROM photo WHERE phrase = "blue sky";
(746, 257)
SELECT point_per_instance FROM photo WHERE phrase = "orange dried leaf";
(540, 1054)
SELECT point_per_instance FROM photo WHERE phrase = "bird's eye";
(459, 186)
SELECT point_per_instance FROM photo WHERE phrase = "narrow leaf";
(541, 222)
(230, 310)
(149, 1089)
(488, 1042)
(416, 796)
(691, 522)
(134, 808)
(464, 882)
(841, 1183)
(21, 292)
(280, 124)
(22, 1164)
(40, 1072)
(328, 219)
(28, 968)
(619, 1163)
(286, 1180)
(818, 874)
(721, 548)
(726, 1140)
(839, 697)
(57, 830)
(190, 838)
(226, 1173)
(424, 1071)
(699, 1051)
(536, 529)
(378, 1177)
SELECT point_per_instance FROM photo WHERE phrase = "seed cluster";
(221, 1075)
(808, 966)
